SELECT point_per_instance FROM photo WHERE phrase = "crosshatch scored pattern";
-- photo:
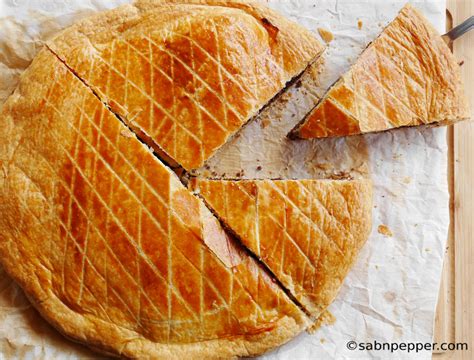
(307, 231)
(211, 72)
(405, 77)
(120, 254)
(143, 248)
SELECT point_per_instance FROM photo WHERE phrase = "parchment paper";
(391, 293)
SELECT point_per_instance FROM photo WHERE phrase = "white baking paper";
(391, 293)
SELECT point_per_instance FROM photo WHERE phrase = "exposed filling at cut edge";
(257, 256)
(265, 106)
(182, 180)
(294, 133)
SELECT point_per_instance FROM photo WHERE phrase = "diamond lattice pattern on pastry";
(187, 77)
(110, 246)
(308, 232)
(406, 77)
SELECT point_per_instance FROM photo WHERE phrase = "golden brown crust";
(187, 74)
(308, 232)
(405, 77)
(109, 245)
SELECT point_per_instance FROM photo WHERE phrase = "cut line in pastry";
(108, 244)
(110, 247)
(406, 77)
(308, 232)
(187, 74)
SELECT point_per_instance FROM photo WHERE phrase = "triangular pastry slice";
(187, 75)
(308, 232)
(405, 77)
(108, 244)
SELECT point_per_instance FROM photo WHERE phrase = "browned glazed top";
(406, 77)
(106, 241)
(110, 246)
(308, 232)
(187, 74)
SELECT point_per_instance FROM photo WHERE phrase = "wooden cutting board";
(455, 313)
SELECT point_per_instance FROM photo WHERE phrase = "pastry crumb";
(240, 174)
(341, 175)
(384, 230)
(407, 180)
(326, 35)
(323, 166)
(359, 24)
(390, 296)
(326, 318)
(264, 123)
(322, 340)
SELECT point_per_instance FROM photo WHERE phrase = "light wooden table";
(455, 314)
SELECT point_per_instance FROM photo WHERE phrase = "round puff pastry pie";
(106, 241)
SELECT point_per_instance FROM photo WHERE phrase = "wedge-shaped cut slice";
(405, 77)
(185, 76)
(308, 232)
(110, 247)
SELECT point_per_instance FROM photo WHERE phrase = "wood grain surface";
(455, 314)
